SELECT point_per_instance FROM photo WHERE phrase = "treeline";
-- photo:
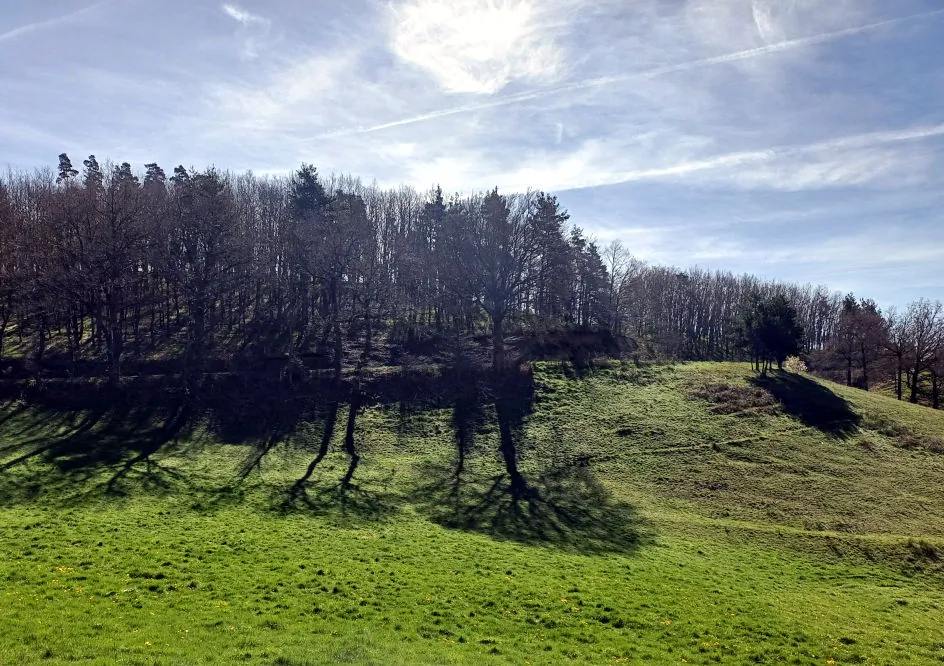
(108, 264)
(904, 350)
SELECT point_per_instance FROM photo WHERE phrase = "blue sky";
(794, 139)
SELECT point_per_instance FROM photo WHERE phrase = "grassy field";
(690, 514)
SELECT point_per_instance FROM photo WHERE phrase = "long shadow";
(157, 475)
(356, 402)
(54, 447)
(259, 410)
(344, 498)
(112, 444)
(563, 506)
(350, 445)
(95, 438)
(89, 432)
(327, 434)
(468, 414)
(347, 501)
(513, 397)
(11, 411)
(811, 403)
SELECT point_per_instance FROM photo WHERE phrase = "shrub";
(795, 365)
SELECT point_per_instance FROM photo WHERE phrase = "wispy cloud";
(876, 159)
(604, 81)
(285, 100)
(50, 23)
(841, 162)
(253, 29)
(243, 16)
(852, 253)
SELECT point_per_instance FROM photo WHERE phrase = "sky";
(799, 140)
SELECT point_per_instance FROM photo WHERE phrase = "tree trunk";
(368, 334)
(74, 338)
(41, 347)
(114, 362)
(3, 329)
(898, 386)
(498, 343)
(338, 349)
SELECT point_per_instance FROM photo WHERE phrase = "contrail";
(735, 56)
(739, 159)
(39, 25)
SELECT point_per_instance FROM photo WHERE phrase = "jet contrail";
(39, 25)
(735, 56)
(739, 159)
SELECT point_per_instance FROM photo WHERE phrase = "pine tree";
(66, 172)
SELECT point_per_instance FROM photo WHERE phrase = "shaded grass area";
(694, 512)
(810, 403)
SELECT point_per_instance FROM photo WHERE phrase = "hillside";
(672, 514)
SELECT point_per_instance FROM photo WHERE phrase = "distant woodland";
(105, 272)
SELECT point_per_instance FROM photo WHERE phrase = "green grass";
(681, 513)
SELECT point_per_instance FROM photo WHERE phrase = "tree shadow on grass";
(153, 476)
(810, 402)
(101, 444)
(260, 411)
(10, 410)
(344, 499)
(563, 506)
(92, 439)
(330, 420)
(101, 440)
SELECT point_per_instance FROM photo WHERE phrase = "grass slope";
(690, 514)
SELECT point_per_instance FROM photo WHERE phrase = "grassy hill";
(674, 514)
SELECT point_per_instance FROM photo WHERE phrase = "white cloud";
(890, 158)
(670, 115)
(450, 63)
(851, 252)
(476, 46)
(252, 32)
(243, 16)
(762, 12)
(294, 96)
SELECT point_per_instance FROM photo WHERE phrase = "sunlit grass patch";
(655, 529)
